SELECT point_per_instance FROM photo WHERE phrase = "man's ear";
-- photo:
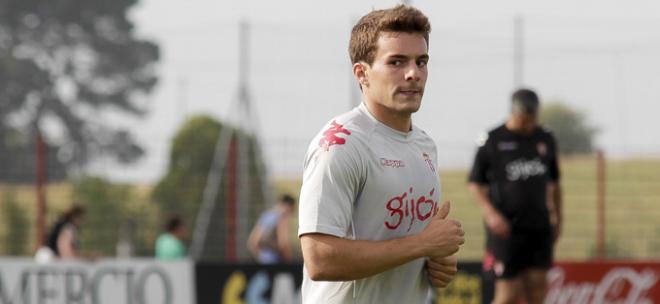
(361, 73)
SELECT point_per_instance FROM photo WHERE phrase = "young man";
(269, 240)
(515, 180)
(169, 245)
(371, 228)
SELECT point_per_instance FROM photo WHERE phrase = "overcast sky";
(601, 57)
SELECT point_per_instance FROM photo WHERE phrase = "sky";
(599, 57)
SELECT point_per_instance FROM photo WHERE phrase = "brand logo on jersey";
(428, 161)
(522, 169)
(542, 148)
(394, 163)
(330, 136)
(507, 145)
(409, 207)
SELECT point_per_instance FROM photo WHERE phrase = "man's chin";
(411, 106)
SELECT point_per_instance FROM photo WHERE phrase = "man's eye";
(422, 63)
(396, 62)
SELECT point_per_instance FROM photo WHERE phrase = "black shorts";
(524, 249)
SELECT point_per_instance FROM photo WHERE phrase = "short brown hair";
(73, 212)
(401, 18)
(173, 223)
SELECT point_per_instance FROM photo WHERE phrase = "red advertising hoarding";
(604, 282)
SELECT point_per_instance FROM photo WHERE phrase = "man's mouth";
(409, 92)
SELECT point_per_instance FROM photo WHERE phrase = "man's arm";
(253, 241)
(330, 258)
(495, 221)
(555, 208)
(554, 199)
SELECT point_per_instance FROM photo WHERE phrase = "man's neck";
(515, 127)
(398, 121)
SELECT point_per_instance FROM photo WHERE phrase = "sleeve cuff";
(323, 229)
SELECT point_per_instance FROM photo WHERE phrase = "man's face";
(526, 121)
(396, 78)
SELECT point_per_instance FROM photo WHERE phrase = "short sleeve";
(331, 182)
(480, 167)
(553, 165)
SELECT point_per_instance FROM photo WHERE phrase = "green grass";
(632, 209)
(632, 204)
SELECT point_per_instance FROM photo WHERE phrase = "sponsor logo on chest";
(408, 207)
(522, 169)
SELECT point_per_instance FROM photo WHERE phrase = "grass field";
(632, 209)
(632, 204)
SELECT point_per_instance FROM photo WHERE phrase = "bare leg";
(508, 291)
(535, 285)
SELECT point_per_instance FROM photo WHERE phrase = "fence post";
(600, 204)
(40, 181)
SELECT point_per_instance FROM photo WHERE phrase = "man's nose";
(413, 72)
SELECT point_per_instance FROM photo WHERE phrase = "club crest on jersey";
(542, 148)
(331, 136)
(428, 161)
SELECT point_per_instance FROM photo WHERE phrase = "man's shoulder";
(424, 139)
(164, 237)
(489, 136)
(497, 131)
(344, 131)
(545, 132)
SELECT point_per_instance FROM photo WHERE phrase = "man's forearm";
(479, 193)
(329, 258)
(557, 200)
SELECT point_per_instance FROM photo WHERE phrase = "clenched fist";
(442, 237)
(441, 271)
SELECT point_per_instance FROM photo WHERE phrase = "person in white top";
(370, 226)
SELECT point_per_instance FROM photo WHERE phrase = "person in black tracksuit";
(515, 180)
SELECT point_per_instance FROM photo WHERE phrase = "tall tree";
(181, 190)
(573, 133)
(64, 61)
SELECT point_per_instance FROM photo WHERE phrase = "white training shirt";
(366, 181)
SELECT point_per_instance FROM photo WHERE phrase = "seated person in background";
(64, 238)
(169, 245)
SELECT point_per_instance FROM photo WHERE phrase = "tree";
(570, 128)
(191, 154)
(104, 203)
(181, 189)
(16, 224)
(62, 61)
(17, 158)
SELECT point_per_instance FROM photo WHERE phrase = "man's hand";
(442, 236)
(441, 271)
(497, 224)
